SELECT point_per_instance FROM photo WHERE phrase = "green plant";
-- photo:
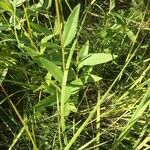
(74, 81)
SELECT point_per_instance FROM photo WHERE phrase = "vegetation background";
(74, 74)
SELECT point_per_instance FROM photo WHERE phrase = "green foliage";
(95, 59)
(70, 27)
(76, 77)
(52, 69)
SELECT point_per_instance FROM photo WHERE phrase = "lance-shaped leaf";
(95, 59)
(53, 69)
(48, 101)
(84, 50)
(71, 26)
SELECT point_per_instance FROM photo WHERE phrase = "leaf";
(95, 78)
(48, 78)
(84, 50)
(145, 102)
(6, 6)
(4, 27)
(48, 101)
(131, 35)
(46, 38)
(50, 45)
(56, 28)
(95, 59)
(31, 52)
(44, 41)
(69, 107)
(40, 28)
(53, 69)
(47, 4)
(71, 26)
(3, 73)
(77, 84)
(147, 3)
(18, 3)
(37, 6)
(67, 93)
(111, 5)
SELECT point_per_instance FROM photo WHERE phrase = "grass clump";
(74, 75)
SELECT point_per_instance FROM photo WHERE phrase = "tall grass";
(74, 75)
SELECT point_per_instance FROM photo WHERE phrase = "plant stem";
(98, 119)
(60, 32)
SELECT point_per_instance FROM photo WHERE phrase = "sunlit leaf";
(69, 107)
(30, 51)
(84, 50)
(54, 70)
(131, 35)
(3, 73)
(6, 6)
(18, 3)
(95, 78)
(71, 26)
(95, 59)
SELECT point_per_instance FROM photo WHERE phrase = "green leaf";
(6, 6)
(44, 41)
(50, 45)
(71, 26)
(95, 78)
(147, 3)
(111, 5)
(95, 59)
(4, 27)
(53, 69)
(3, 73)
(77, 84)
(40, 28)
(145, 102)
(69, 107)
(131, 35)
(48, 101)
(48, 78)
(47, 4)
(18, 3)
(67, 93)
(84, 50)
(56, 28)
(31, 52)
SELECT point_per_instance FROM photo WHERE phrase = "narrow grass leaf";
(6, 6)
(111, 5)
(4, 27)
(139, 111)
(71, 26)
(143, 143)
